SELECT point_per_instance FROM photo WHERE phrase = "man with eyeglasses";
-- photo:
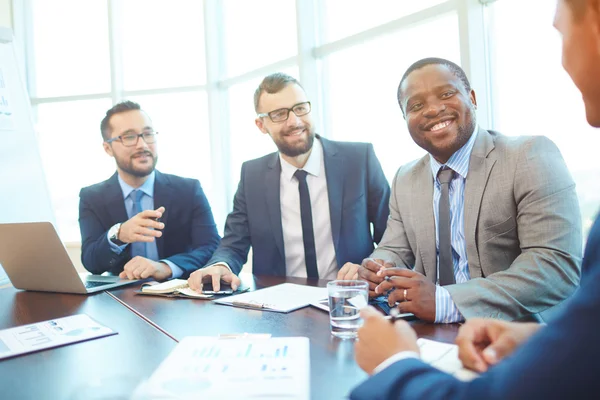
(306, 209)
(140, 222)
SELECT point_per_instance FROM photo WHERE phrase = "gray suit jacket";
(522, 227)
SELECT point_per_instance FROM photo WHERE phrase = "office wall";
(6, 13)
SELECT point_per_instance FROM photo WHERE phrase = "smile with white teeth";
(439, 126)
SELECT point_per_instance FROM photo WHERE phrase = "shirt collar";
(312, 166)
(147, 187)
(459, 161)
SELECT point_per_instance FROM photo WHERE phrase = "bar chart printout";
(207, 367)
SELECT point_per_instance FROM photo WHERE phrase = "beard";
(294, 150)
(129, 167)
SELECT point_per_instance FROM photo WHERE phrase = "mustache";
(142, 153)
(295, 128)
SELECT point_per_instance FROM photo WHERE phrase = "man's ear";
(108, 149)
(473, 98)
(261, 125)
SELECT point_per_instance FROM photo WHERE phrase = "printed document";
(284, 298)
(213, 368)
(48, 334)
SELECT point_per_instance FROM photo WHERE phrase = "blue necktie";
(308, 234)
(137, 248)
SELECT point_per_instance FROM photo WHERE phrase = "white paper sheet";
(285, 297)
(213, 368)
(53, 333)
(444, 357)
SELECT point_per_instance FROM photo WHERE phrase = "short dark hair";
(454, 68)
(273, 83)
(116, 109)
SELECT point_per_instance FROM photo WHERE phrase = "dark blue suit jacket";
(358, 197)
(559, 362)
(189, 238)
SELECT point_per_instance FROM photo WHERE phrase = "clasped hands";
(481, 342)
(411, 291)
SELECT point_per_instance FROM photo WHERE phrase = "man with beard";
(140, 222)
(305, 209)
(484, 225)
(517, 361)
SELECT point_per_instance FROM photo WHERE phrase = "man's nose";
(434, 109)
(141, 144)
(292, 120)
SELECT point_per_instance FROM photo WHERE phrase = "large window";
(194, 66)
(530, 102)
(363, 82)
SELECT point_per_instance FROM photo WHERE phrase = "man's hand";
(139, 227)
(349, 272)
(484, 342)
(141, 268)
(368, 272)
(414, 292)
(216, 273)
(378, 339)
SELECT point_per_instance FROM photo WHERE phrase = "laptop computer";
(34, 258)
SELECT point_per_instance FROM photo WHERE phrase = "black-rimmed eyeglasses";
(131, 139)
(282, 114)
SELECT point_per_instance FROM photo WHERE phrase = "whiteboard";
(24, 195)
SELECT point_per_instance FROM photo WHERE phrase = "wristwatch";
(113, 234)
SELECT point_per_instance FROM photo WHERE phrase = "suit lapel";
(424, 221)
(161, 198)
(272, 198)
(480, 167)
(334, 172)
(115, 204)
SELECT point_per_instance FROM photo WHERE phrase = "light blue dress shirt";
(147, 202)
(445, 309)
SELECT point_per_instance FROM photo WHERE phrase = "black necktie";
(308, 235)
(446, 267)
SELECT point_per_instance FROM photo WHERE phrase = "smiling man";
(140, 222)
(485, 225)
(518, 361)
(305, 209)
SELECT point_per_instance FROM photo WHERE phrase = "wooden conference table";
(149, 328)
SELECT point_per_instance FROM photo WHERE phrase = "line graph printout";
(207, 367)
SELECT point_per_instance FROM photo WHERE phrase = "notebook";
(179, 288)
(283, 298)
(34, 258)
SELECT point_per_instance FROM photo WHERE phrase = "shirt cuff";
(446, 311)
(115, 248)
(176, 271)
(395, 358)
(220, 263)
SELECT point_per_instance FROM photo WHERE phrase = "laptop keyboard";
(93, 284)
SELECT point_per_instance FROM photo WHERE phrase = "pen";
(395, 315)
(258, 306)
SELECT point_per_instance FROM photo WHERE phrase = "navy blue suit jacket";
(559, 362)
(358, 197)
(189, 238)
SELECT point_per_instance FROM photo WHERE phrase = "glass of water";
(346, 299)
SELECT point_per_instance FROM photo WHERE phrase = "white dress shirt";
(291, 221)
